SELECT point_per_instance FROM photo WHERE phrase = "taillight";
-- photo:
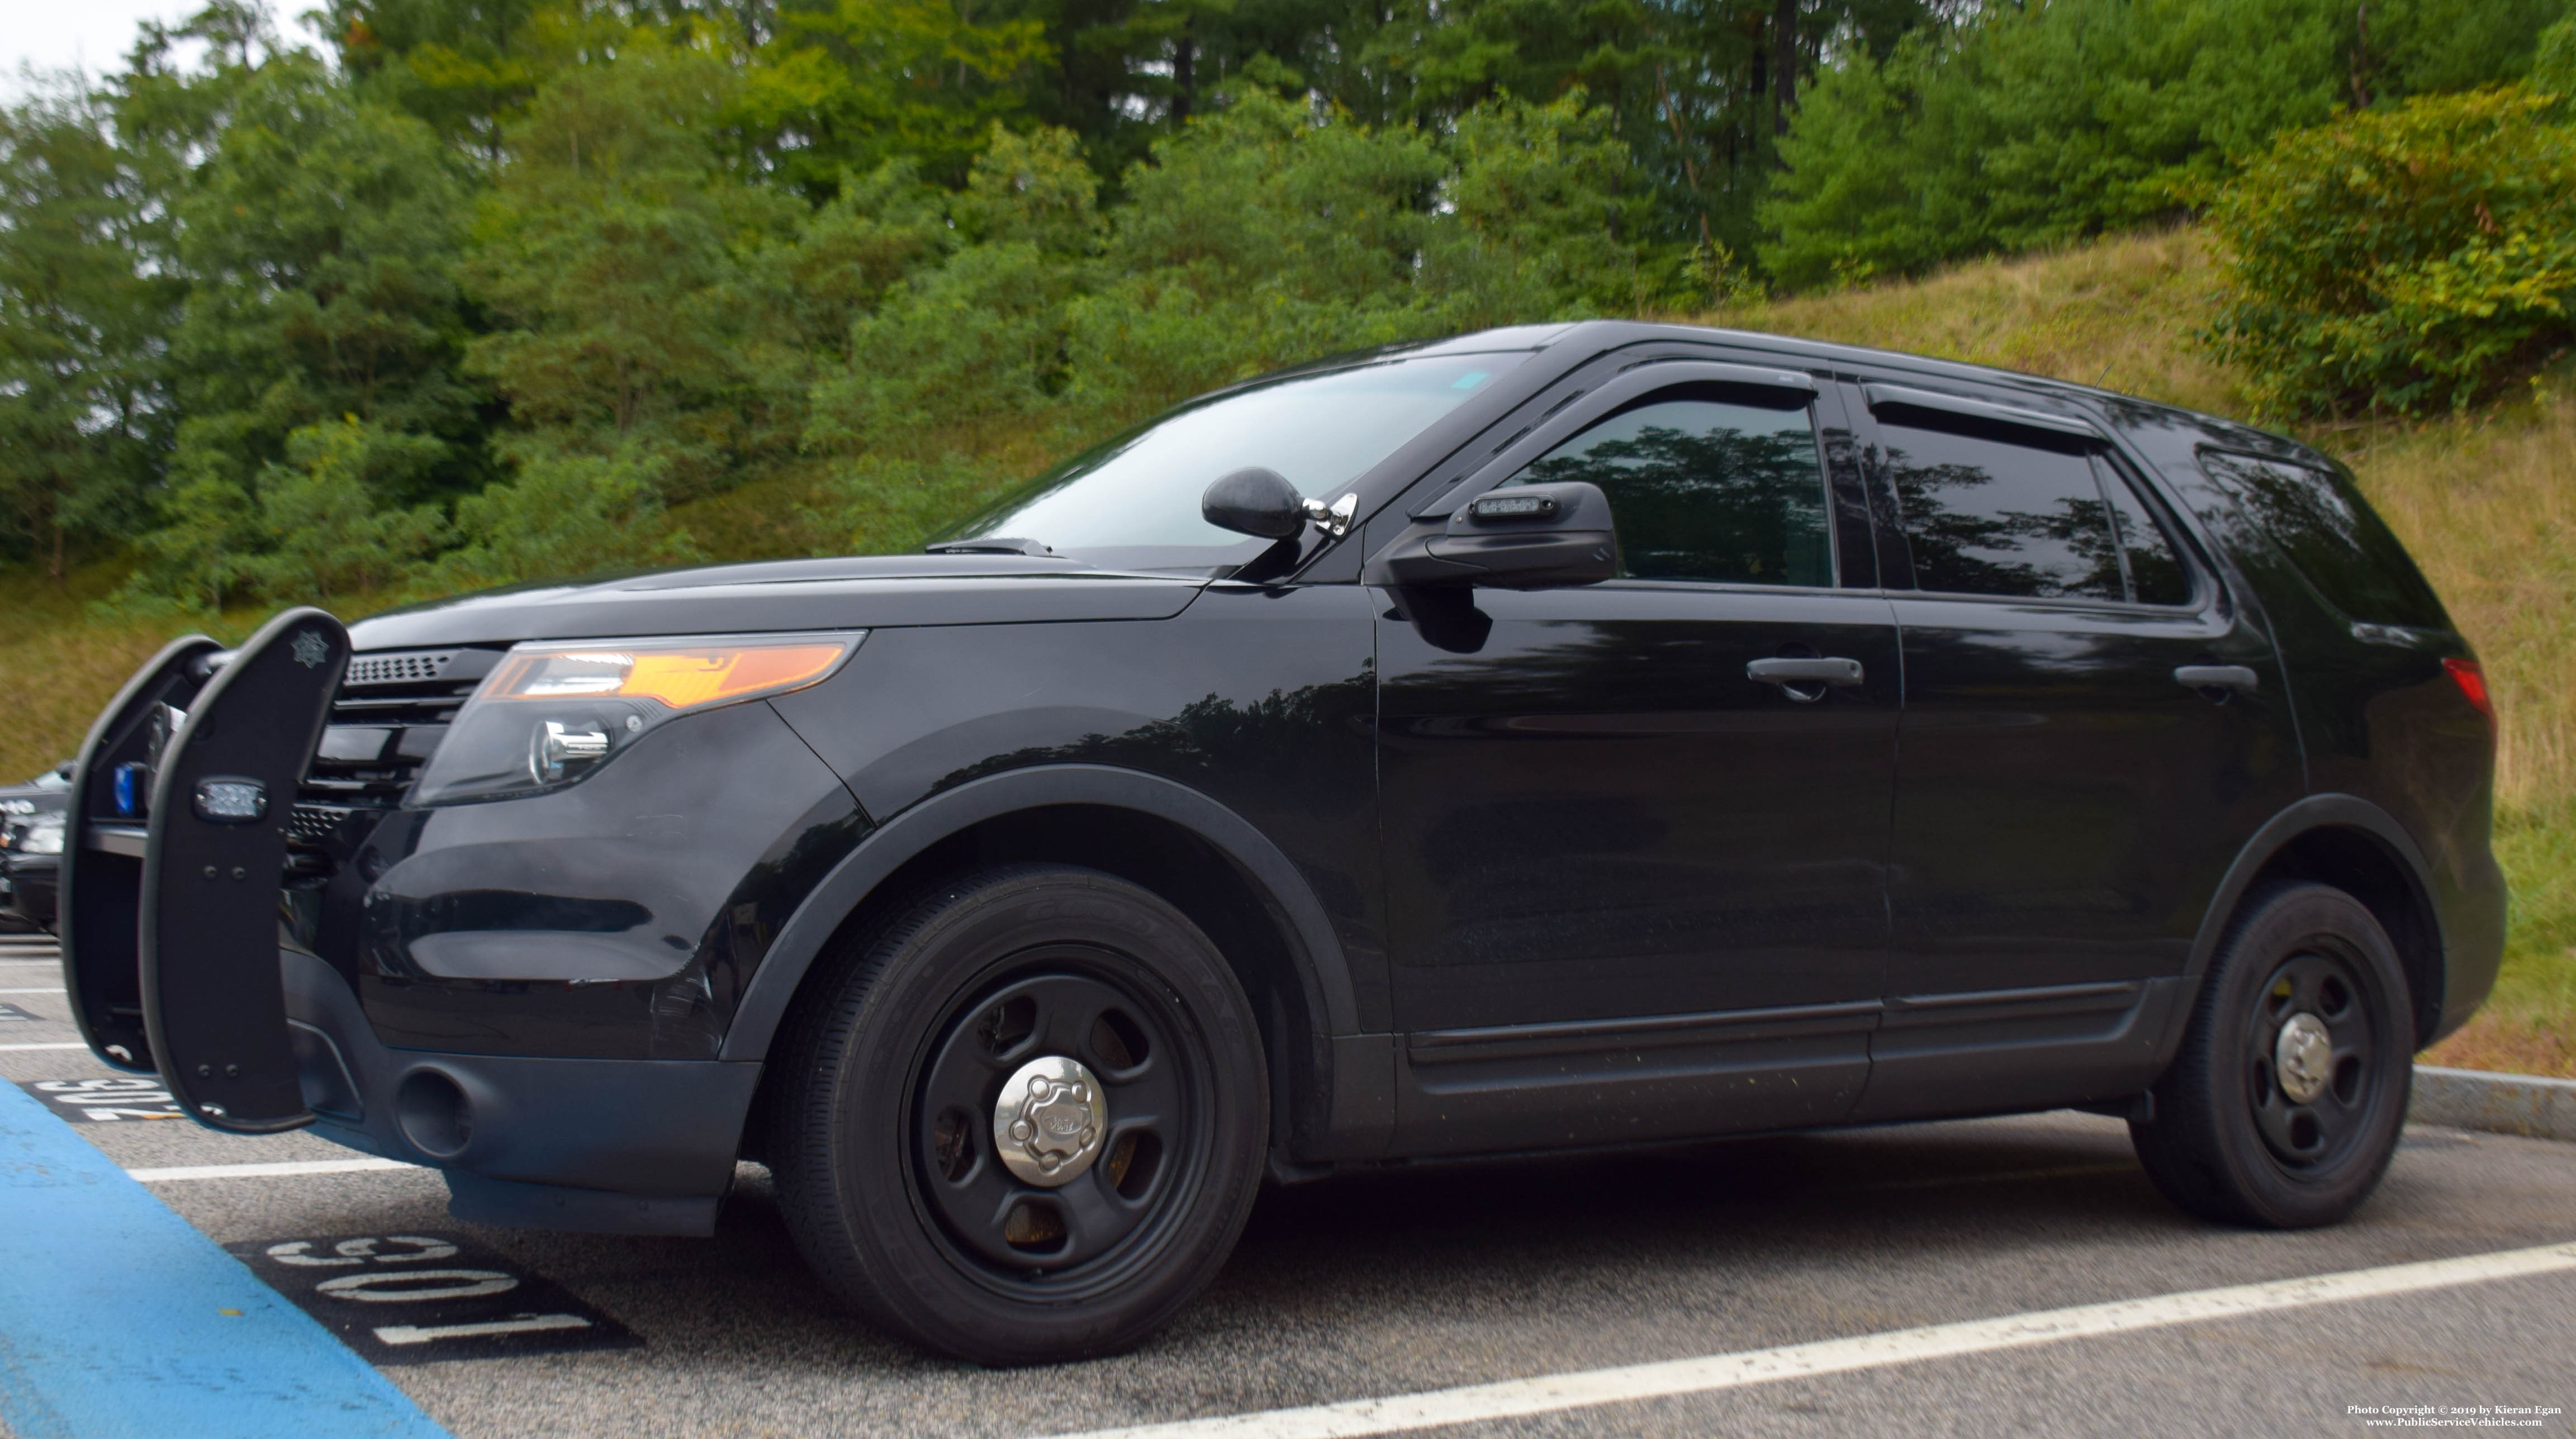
(2472, 681)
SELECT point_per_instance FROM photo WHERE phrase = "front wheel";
(1028, 1121)
(2284, 1106)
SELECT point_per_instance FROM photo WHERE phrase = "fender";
(2317, 811)
(899, 839)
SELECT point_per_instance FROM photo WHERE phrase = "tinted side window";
(2156, 572)
(1706, 488)
(1988, 516)
(2334, 538)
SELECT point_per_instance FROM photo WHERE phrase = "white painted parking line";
(530, 1324)
(280, 1170)
(40, 989)
(1557, 1392)
(74, 1045)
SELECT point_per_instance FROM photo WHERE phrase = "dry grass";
(2488, 506)
(2118, 314)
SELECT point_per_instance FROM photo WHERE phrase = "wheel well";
(1156, 854)
(2362, 865)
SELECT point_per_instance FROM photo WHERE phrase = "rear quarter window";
(2332, 537)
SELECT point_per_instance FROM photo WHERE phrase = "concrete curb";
(2524, 1104)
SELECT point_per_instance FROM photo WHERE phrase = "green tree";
(320, 241)
(612, 248)
(83, 412)
(2040, 124)
(847, 85)
(324, 528)
(560, 516)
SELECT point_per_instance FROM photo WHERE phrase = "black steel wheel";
(2284, 1106)
(2310, 1047)
(1029, 1122)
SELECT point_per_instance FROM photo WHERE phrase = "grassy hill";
(2486, 501)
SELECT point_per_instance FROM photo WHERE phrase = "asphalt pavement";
(1401, 1282)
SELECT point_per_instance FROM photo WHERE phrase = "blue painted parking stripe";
(118, 1319)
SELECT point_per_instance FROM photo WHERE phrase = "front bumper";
(27, 887)
(624, 1146)
(529, 996)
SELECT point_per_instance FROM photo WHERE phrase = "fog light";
(559, 751)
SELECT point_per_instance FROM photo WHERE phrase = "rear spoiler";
(174, 849)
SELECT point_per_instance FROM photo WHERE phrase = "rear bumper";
(631, 1146)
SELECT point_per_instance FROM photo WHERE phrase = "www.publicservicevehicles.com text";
(2453, 1416)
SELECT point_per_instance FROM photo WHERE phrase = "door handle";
(1786, 672)
(2216, 677)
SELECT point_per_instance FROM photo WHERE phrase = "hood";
(17, 801)
(858, 592)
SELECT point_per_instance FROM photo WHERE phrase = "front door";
(2066, 800)
(1636, 891)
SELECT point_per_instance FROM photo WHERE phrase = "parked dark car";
(31, 848)
(1593, 735)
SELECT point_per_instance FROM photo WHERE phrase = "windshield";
(1133, 503)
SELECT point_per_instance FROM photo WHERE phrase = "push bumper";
(619, 1146)
(176, 962)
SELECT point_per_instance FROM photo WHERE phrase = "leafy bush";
(2406, 259)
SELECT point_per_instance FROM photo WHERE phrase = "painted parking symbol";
(116, 1100)
(418, 1298)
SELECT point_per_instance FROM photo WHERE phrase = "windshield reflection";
(1134, 502)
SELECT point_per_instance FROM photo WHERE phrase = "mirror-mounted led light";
(555, 711)
(1509, 506)
(228, 799)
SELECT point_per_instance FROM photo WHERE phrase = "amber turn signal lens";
(679, 676)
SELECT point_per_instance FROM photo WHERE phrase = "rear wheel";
(1029, 1121)
(2284, 1106)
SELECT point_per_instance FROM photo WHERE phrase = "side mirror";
(1256, 502)
(1525, 537)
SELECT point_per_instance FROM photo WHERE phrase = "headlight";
(44, 835)
(553, 712)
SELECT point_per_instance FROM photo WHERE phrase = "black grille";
(387, 720)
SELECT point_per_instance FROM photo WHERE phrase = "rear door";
(1635, 891)
(2092, 728)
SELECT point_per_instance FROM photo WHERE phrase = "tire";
(2251, 1130)
(889, 1154)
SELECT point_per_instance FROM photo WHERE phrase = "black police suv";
(1589, 735)
(31, 848)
